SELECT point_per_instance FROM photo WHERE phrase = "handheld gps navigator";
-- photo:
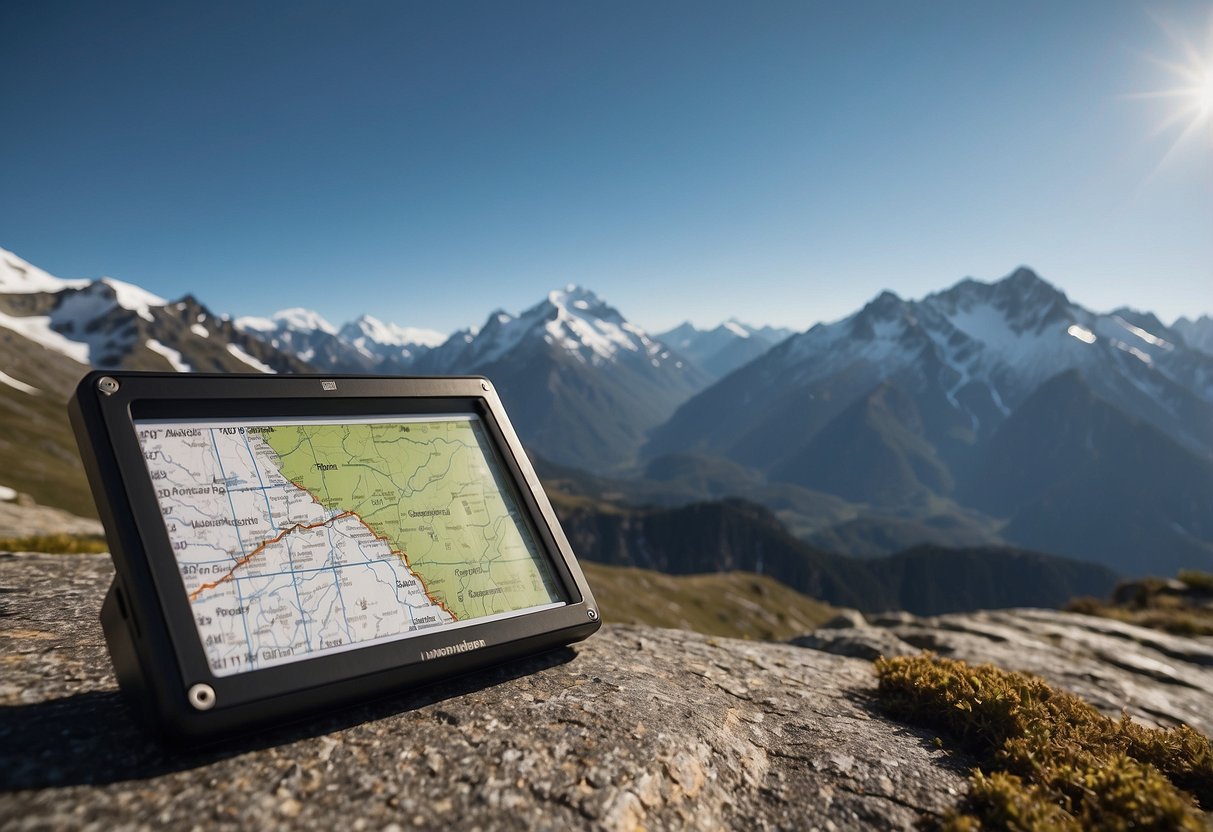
(286, 544)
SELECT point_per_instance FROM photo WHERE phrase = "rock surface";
(22, 518)
(635, 727)
(1158, 678)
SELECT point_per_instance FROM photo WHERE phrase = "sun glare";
(1189, 92)
(1205, 94)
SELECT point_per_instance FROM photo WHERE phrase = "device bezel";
(151, 593)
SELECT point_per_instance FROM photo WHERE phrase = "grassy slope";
(733, 604)
(37, 450)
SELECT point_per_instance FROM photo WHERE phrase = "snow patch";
(389, 334)
(1081, 333)
(38, 329)
(199, 330)
(1152, 340)
(249, 360)
(1140, 355)
(304, 319)
(137, 300)
(736, 328)
(251, 323)
(18, 277)
(5, 378)
(7, 494)
(173, 356)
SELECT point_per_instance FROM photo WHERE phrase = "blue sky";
(780, 162)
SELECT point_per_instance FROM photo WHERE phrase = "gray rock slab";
(634, 728)
(23, 519)
(859, 642)
(1158, 678)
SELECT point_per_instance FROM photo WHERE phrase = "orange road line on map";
(261, 548)
(404, 557)
(307, 527)
(391, 547)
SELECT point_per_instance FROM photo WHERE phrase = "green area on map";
(427, 489)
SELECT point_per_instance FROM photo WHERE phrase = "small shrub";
(1054, 762)
(1200, 581)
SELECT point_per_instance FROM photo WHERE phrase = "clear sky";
(778, 162)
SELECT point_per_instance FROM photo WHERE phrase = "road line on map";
(261, 548)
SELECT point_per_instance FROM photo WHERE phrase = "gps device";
(288, 544)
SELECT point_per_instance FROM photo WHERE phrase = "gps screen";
(302, 537)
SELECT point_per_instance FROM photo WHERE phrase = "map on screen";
(301, 537)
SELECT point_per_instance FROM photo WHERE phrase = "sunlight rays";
(1190, 112)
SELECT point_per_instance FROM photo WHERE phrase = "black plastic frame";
(149, 627)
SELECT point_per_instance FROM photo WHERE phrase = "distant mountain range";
(984, 414)
(722, 350)
(1083, 434)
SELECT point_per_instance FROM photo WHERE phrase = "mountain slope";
(1197, 334)
(107, 323)
(873, 452)
(582, 384)
(1076, 475)
(36, 443)
(736, 535)
(53, 330)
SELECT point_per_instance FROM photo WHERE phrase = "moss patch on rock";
(1183, 606)
(1048, 759)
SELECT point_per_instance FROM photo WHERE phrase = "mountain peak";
(1024, 275)
(885, 306)
(19, 277)
(304, 319)
(575, 297)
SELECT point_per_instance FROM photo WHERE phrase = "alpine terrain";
(1082, 433)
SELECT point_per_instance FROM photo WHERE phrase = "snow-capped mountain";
(364, 345)
(976, 351)
(18, 277)
(899, 404)
(306, 335)
(1197, 334)
(722, 350)
(573, 320)
(109, 323)
(53, 330)
(582, 383)
(388, 343)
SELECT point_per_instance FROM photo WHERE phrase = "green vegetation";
(1048, 760)
(1198, 581)
(1183, 607)
(732, 604)
(62, 544)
